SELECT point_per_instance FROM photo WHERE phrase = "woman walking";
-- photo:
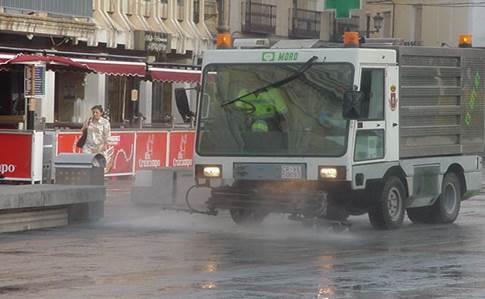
(98, 132)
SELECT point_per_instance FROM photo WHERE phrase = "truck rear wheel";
(447, 207)
(388, 211)
(242, 216)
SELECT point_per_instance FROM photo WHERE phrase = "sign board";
(34, 76)
(66, 142)
(342, 7)
(151, 150)
(131, 151)
(181, 149)
(152, 42)
(120, 154)
(16, 156)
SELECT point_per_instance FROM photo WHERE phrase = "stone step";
(28, 220)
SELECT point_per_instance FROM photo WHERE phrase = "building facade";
(290, 19)
(135, 44)
(151, 46)
(430, 23)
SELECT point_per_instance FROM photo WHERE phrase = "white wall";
(477, 21)
(145, 101)
(94, 93)
(47, 101)
(439, 24)
(282, 15)
(235, 15)
(444, 25)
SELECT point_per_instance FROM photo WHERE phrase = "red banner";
(120, 153)
(16, 156)
(181, 149)
(66, 142)
(151, 150)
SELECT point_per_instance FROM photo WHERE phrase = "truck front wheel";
(242, 216)
(388, 211)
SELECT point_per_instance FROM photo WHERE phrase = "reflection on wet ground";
(142, 252)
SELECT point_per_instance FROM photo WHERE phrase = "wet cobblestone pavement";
(144, 252)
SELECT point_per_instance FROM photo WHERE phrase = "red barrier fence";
(151, 150)
(130, 151)
(16, 153)
(21, 156)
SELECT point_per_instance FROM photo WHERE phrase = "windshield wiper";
(278, 83)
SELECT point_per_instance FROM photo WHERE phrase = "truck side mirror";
(353, 104)
(183, 105)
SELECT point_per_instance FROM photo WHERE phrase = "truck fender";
(398, 172)
(460, 173)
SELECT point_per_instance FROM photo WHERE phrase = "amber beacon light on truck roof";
(465, 41)
(351, 39)
(224, 40)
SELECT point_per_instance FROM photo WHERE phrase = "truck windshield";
(300, 118)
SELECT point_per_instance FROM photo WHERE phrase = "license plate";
(291, 171)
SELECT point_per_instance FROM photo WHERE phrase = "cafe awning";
(108, 67)
(115, 68)
(4, 57)
(174, 75)
(53, 61)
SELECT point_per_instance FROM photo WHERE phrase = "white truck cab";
(331, 132)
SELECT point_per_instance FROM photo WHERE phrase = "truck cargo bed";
(441, 101)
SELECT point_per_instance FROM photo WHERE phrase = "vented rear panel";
(441, 101)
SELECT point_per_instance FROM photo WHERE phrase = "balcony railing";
(258, 18)
(304, 23)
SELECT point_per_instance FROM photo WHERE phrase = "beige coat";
(97, 136)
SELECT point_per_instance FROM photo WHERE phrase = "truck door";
(377, 130)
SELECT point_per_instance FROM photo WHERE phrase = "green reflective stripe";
(250, 97)
(241, 104)
(278, 101)
(264, 108)
(259, 126)
(266, 104)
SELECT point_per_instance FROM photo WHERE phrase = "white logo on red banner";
(7, 168)
(180, 160)
(148, 160)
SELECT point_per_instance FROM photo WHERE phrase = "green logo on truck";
(281, 56)
(472, 99)
(268, 56)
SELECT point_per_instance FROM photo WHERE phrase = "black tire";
(247, 216)
(388, 211)
(420, 215)
(447, 207)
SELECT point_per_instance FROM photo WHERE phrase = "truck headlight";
(332, 173)
(212, 171)
(208, 171)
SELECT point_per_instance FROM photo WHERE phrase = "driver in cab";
(267, 109)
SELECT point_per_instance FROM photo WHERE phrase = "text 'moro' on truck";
(325, 133)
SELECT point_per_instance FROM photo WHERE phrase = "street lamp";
(378, 21)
